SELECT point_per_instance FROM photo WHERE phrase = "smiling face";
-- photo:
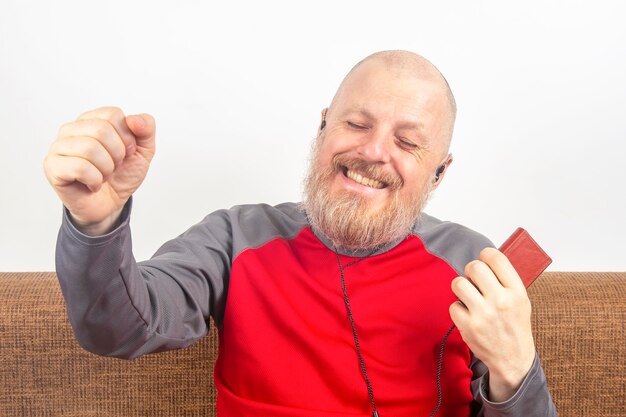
(387, 131)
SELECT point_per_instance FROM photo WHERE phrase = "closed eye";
(356, 126)
(407, 144)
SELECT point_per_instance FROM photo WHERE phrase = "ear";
(441, 171)
(322, 121)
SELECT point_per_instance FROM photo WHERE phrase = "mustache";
(367, 169)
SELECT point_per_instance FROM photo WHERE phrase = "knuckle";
(83, 166)
(89, 148)
(47, 167)
(53, 147)
(503, 303)
(82, 169)
(107, 113)
(108, 168)
(92, 153)
(472, 268)
(457, 283)
(102, 129)
(491, 255)
(455, 311)
(489, 251)
(65, 127)
(113, 113)
(47, 160)
(88, 174)
(106, 134)
(84, 114)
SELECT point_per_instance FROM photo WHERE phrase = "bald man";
(343, 305)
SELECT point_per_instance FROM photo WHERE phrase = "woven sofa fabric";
(43, 371)
(579, 322)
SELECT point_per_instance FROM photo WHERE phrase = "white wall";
(236, 88)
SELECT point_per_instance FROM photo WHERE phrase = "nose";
(375, 146)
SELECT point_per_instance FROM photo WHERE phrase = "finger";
(86, 148)
(66, 170)
(501, 267)
(100, 130)
(467, 293)
(142, 126)
(459, 314)
(116, 117)
(483, 278)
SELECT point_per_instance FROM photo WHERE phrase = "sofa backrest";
(44, 372)
(579, 322)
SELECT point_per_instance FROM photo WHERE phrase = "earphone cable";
(370, 389)
(439, 366)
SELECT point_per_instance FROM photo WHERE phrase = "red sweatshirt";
(274, 289)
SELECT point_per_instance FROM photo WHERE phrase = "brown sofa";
(579, 321)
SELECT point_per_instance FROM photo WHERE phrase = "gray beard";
(347, 219)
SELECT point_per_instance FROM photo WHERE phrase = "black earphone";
(439, 172)
(323, 124)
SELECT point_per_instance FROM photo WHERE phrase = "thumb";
(143, 127)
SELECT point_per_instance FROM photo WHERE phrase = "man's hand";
(493, 316)
(97, 162)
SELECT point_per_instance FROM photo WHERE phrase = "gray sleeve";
(532, 399)
(118, 307)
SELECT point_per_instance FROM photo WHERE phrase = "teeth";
(369, 182)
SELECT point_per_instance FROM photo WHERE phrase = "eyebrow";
(409, 125)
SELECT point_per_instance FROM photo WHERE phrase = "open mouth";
(360, 179)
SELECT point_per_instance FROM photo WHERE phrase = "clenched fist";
(97, 162)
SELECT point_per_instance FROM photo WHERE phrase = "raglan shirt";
(272, 285)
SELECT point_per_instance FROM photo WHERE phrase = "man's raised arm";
(116, 306)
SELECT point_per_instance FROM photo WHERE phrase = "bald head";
(408, 66)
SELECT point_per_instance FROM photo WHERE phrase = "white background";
(237, 87)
